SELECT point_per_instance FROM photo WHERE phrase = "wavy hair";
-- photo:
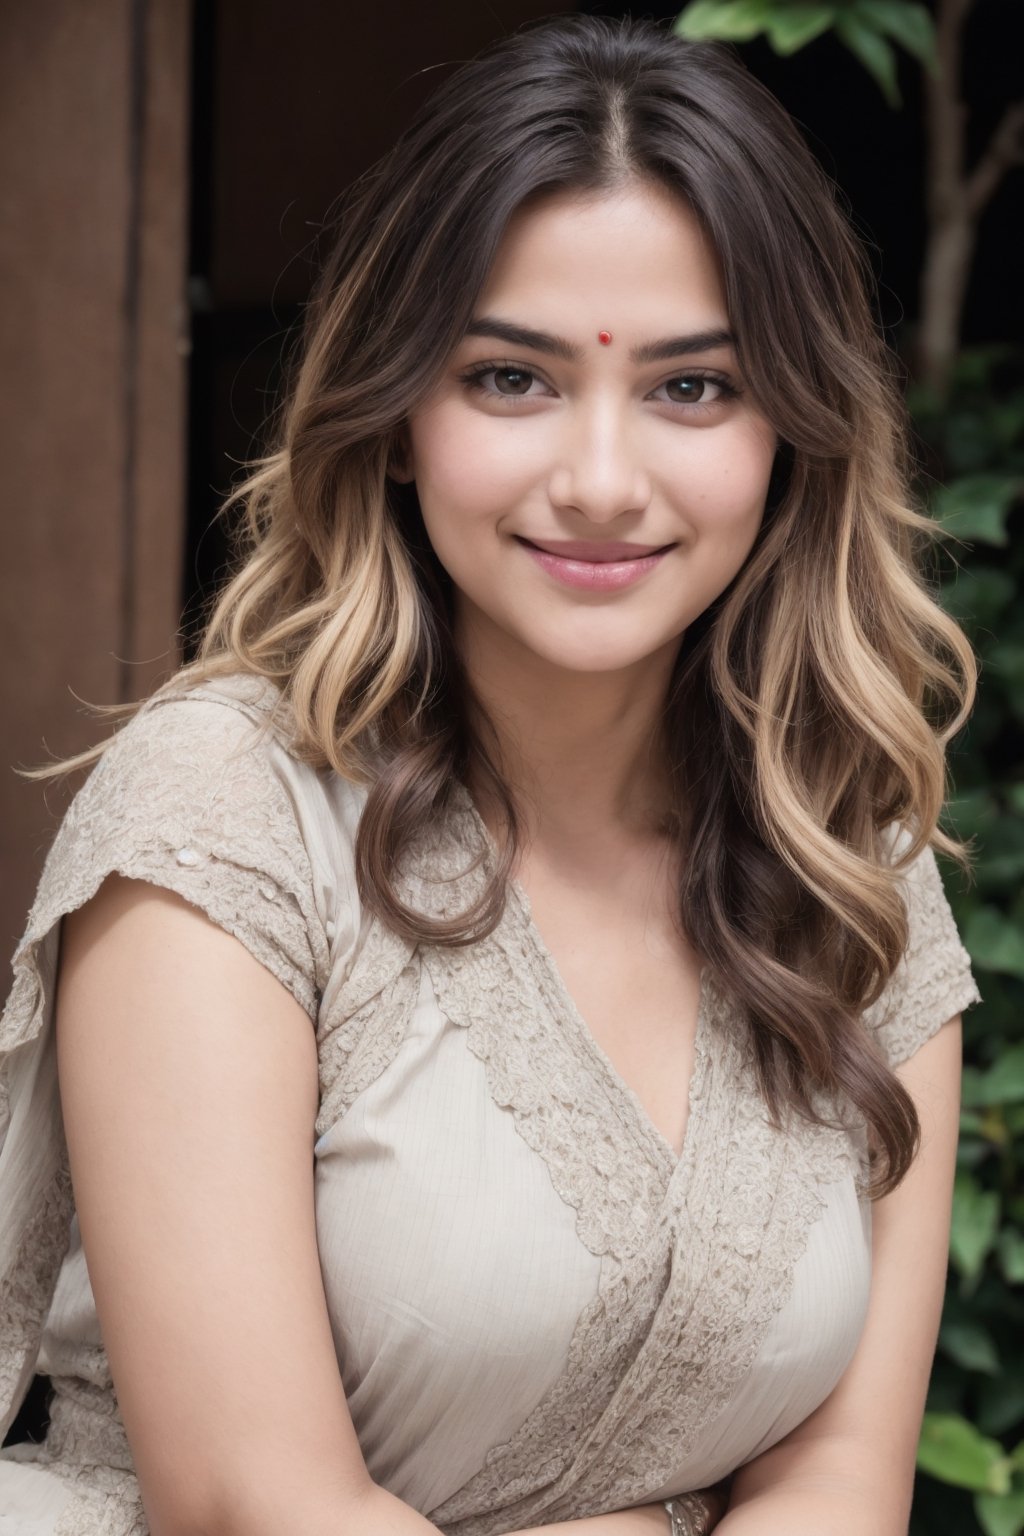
(811, 704)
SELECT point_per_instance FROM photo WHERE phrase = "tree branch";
(945, 111)
(1004, 149)
(948, 244)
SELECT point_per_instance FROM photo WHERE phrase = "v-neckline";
(620, 1091)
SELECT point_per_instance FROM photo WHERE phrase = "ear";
(400, 462)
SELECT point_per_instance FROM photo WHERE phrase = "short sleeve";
(198, 795)
(190, 796)
(933, 981)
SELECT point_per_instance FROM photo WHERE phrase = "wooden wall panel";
(93, 139)
(94, 205)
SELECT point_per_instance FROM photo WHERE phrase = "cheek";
(726, 481)
(466, 464)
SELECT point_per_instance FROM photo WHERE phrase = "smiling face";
(639, 463)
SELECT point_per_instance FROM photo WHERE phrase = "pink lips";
(601, 566)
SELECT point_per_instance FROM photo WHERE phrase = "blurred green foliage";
(869, 28)
(971, 451)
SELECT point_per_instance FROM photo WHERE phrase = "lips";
(598, 551)
(596, 567)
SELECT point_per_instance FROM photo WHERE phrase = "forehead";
(640, 249)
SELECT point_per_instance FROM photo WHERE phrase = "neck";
(583, 753)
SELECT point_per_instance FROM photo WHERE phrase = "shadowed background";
(166, 170)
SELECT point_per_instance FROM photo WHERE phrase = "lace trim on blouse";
(699, 1252)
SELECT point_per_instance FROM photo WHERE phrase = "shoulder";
(201, 793)
(195, 772)
(933, 981)
(185, 729)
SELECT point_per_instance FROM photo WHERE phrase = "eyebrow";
(489, 326)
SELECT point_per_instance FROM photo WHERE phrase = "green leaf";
(971, 1346)
(994, 1128)
(952, 1450)
(1006, 661)
(979, 595)
(873, 51)
(1003, 1083)
(1000, 852)
(972, 1096)
(971, 814)
(970, 439)
(993, 942)
(1011, 1255)
(1006, 418)
(975, 508)
(974, 1226)
(794, 26)
(1000, 1402)
(911, 25)
(971, 1153)
(974, 366)
(1000, 1515)
(735, 21)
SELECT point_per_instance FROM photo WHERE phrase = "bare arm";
(188, 1079)
(189, 1089)
(848, 1469)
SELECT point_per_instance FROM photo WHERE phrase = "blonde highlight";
(811, 707)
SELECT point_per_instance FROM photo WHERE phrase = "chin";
(595, 657)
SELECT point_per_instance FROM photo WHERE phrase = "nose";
(597, 472)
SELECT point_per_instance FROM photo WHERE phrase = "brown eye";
(518, 379)
(690, 390)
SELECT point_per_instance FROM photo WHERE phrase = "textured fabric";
(540, 1311)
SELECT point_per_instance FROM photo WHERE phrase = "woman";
(568, 748)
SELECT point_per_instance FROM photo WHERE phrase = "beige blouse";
(540, 1312)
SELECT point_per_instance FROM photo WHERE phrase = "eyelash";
(472, 378)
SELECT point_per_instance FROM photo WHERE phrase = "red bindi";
(605, 338)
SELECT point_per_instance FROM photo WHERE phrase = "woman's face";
(640, 463)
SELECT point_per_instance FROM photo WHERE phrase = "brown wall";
(296, 98)
(93, 139)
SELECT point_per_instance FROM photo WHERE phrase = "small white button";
(269, 892)
(330, 931)
(188, 856)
